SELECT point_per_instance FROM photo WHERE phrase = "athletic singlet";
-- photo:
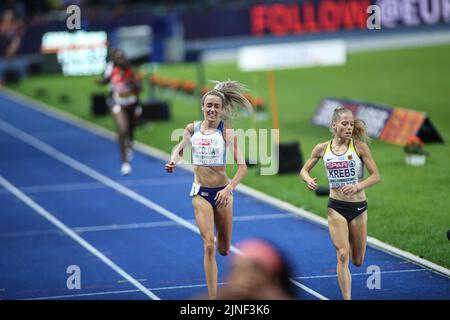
(208, 149)
(121, 82)
(343, 169)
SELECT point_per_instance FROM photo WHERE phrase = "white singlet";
(208, 149)
(344, 169)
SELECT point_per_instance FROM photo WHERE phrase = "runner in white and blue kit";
(212, 190)
(345, 157)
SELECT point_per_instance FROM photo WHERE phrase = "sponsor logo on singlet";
(202, 142)
(206, 151)
(341, 173)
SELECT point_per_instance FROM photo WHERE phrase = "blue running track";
(63, 202)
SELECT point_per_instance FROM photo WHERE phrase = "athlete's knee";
(210, 249)
(358, 261)
(224, 250)
(343, 255)
(123, 132)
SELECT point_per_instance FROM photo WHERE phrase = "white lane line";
(269, 216)
(52, 152)
(52, 219)
(119, 292)
(79, 295)
(362, 274)
(58, 187)
(205, 285)
(29, 233)
(309, 290)
(142, 225)
(86, 186)
(173, 223)
(129, 226)
(125, 281)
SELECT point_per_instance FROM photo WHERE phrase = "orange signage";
(401, 125)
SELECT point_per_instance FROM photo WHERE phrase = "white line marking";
(52, 152)
(119, 292)
(58, 187)
(52, 219)
(142, 225)
(82, 295)
(309, 290)
(85, 186)
(129, 226)
(269, 216)
(363, 274)
(29, 233)
(205, 285)
(173, 223)
(125, 281)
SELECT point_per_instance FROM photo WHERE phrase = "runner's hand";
(312, 184)
(223, 197)
(170, 167)
(350, 189)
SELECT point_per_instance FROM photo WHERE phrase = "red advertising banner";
(318, 16)
(308, 17)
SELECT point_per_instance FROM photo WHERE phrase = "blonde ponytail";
(359, 126)
(360, 131)
(231, 93)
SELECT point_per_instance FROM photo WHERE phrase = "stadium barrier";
(99, 106)
(391, 124)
